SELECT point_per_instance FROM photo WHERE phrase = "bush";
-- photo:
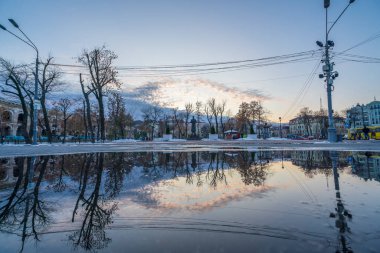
(212, 130)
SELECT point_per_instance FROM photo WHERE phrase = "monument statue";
(193, 126)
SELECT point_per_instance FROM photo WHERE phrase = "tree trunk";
(64, 127)
(46, 119)
(85, 121)
(102, 117)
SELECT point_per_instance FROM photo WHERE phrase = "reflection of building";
(368, 114)
(8, 171)
(366, 166)
(314, 159)
(11, 117)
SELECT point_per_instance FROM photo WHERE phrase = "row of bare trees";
(17, 83)
(98, 80)
(212, 112)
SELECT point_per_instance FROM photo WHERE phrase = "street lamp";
(30, 43)
(280, 127)
(328, 70)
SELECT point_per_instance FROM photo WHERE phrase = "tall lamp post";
(328, 72)
(30, 43)
(280, 127)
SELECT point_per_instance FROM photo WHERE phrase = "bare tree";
(306, 116)
(214, 111)
(321, 118)
(188, 111)
(87, 109)
(178, 119)
(117, 114)
(49, 82)
(243, 117)
(220, 110)
(152, 116)
(65, 106)
(16, 84)
(258, 112)
(102, 77)
(208, 115)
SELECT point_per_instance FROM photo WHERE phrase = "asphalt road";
(10, 150)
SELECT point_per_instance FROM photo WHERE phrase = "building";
(11, 116)
(315, 126)
(277, 131)
(364, 115)
(366, 166)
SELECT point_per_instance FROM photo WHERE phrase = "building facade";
(368, 115)
(315, 126)
(11, 116)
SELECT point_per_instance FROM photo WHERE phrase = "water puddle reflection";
(222, 201)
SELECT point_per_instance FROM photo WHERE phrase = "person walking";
(366, 131)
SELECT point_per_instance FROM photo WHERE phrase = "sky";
(165, 32)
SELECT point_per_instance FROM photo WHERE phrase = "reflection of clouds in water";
(176, 193)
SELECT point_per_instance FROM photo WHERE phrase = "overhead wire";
(369, 39)
(302, 92)
(204, 68)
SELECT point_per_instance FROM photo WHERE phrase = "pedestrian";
(366, 131)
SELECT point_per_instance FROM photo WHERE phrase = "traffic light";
(326, 3)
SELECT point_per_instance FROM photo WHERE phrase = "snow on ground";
(177, 140)
(124, 140)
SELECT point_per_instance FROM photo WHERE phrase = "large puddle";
(309, 201)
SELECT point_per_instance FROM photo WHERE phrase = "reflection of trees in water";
(119, 165)
(252, 166)
(96, 211)
(215, 171)
(60, 184)
(253, 169)
(23, 211)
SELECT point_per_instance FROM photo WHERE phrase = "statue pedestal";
(213, 137)
(167, 137)
(252, 137)
(193, 138)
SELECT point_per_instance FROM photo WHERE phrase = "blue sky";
(177, 32)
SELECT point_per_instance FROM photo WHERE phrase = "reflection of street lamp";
(280, 127)
(282, 158)
(341, 213)
(328, 71)
(32, 45)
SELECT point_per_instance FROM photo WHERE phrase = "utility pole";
(328, 72)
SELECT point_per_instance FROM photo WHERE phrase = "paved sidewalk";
(8, 150)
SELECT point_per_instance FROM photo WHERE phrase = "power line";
(209, 70)
(198, 65)
(369, 39)
(305, 87)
